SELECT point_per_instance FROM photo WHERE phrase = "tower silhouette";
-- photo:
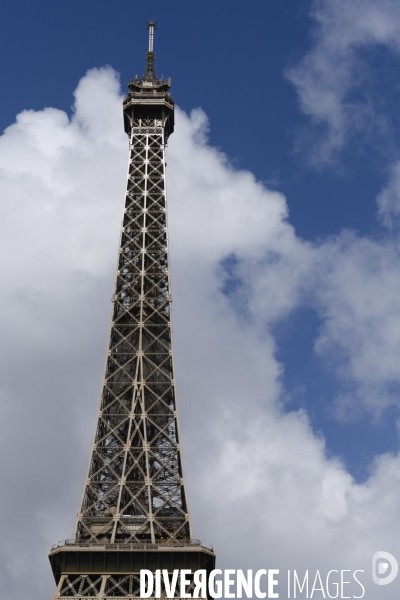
(134, 512)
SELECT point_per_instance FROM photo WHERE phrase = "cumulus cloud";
(360, 332)
(61, 180)
(333, 81)
(261, 486)
(339, 91)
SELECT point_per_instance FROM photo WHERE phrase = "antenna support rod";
(152, 26)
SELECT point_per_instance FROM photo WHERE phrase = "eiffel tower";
(134, 512)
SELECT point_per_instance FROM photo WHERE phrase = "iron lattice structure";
(134, 510)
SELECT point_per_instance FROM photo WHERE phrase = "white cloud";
(358, 298)
(261, 486)
(354, 279)
(61, 181)
(389, 199)
(333, 81)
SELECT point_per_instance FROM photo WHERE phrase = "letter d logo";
(380, 565)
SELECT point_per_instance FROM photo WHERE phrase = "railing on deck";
(130, 545)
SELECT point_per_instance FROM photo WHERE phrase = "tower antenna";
(150, 58)
(152, 25)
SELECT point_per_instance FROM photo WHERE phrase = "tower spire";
(150, 74)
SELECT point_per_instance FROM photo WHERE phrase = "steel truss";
(126, 587)
(135, 489)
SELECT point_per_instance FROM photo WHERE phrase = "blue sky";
(232, 62)
(299, 130)
(215, 54)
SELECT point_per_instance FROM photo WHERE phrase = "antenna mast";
(150, 74)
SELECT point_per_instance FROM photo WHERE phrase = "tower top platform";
(149, 91)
